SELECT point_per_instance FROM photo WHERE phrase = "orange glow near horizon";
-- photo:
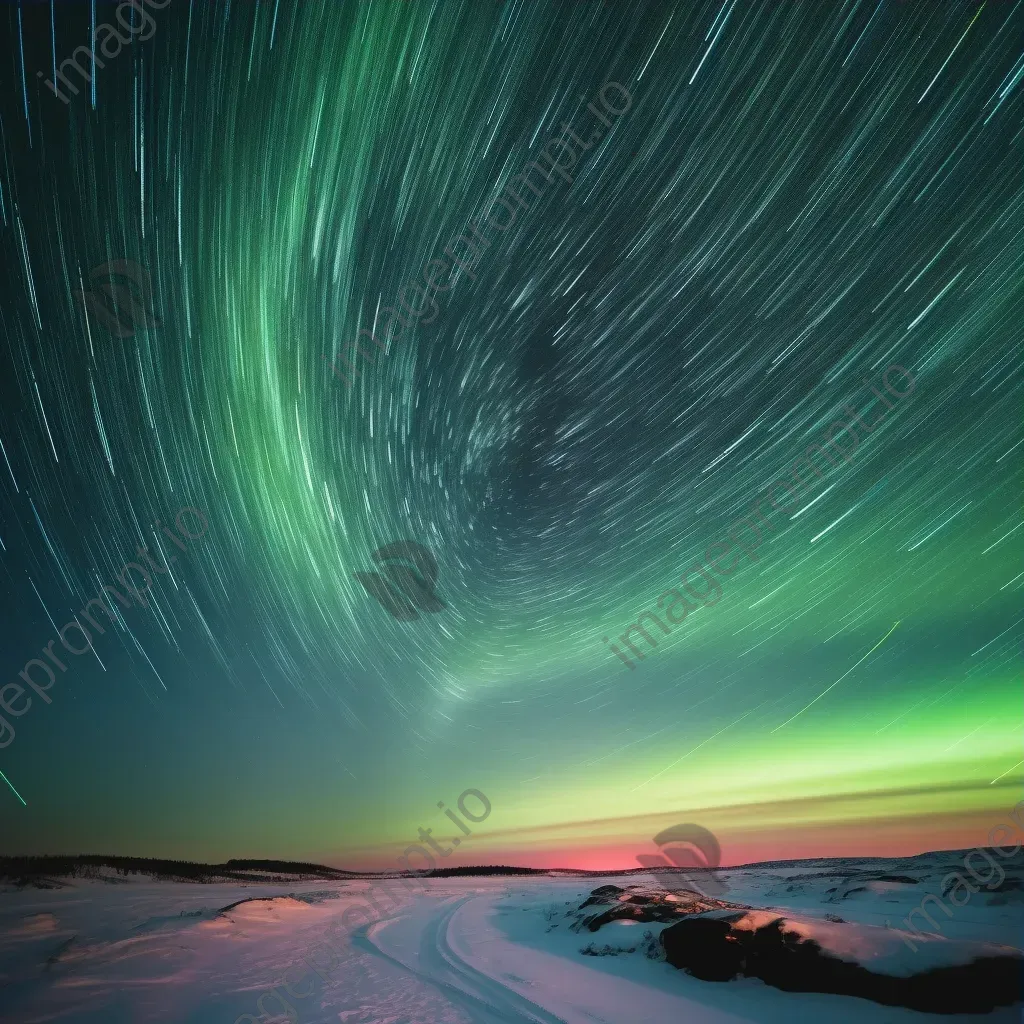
(885, 838)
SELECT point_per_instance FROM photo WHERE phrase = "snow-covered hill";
(488, 950)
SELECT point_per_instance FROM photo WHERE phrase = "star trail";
(340, 337)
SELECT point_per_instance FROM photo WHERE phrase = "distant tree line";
(486, 869)
(26, 869)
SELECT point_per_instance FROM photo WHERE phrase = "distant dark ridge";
(895, 858)
(486, 869)
(502, 869)
(26, 869)
(285, 866)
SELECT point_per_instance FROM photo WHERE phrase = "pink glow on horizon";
(888, 838)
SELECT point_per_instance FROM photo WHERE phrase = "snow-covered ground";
(481, 950)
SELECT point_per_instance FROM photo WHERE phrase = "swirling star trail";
(799, 197)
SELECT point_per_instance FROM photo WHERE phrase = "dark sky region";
(708, 265)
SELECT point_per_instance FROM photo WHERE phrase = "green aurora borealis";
(800, 196)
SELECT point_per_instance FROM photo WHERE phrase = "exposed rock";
(643, 903)
(722, 946)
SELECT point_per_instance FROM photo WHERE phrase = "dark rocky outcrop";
(643, 903)
(713, 948)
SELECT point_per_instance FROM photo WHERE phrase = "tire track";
(484, 999)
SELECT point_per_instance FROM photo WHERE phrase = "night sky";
(777, 202)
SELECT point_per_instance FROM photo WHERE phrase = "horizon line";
(441, 872)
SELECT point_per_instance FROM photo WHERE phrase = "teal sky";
(792, 201)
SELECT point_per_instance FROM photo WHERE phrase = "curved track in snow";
(485, 1000)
